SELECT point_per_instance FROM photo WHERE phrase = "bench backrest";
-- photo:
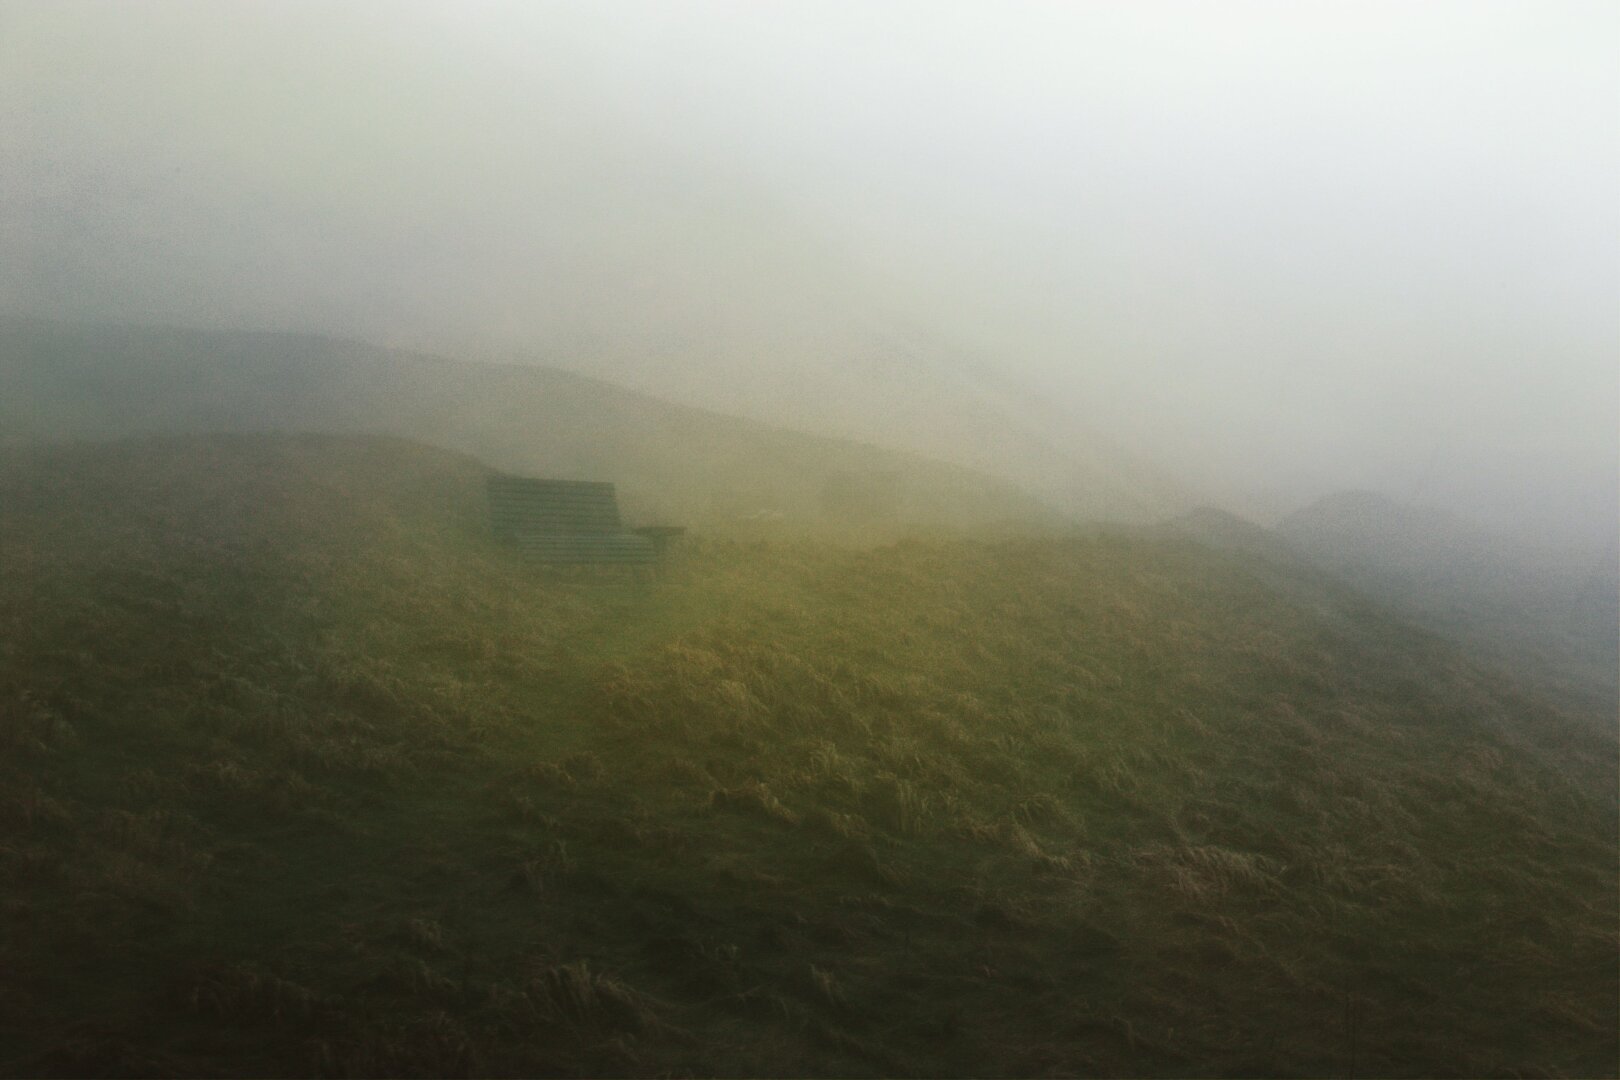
(565, 521)
(520, 505)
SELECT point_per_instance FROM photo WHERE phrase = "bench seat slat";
(586, 547)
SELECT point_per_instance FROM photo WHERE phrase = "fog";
(1245, 253)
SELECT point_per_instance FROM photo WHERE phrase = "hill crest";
(60, 381)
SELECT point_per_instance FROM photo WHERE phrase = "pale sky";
(1275, 250)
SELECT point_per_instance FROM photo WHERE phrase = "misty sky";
(1271, 249)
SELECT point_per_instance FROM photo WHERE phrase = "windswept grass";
(300, 774)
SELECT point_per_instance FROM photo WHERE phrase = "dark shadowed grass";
(302, 775)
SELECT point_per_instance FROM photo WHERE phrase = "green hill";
(672, 463)
(303, 775)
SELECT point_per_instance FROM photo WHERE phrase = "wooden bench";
(570, 521)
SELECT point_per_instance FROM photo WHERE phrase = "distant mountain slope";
(61, 381)
(1553, 619)
(302, 774)
(1226, 531)
(1408, 544)
(874, 378)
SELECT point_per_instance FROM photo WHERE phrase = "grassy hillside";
(302, 775)
(672, 463)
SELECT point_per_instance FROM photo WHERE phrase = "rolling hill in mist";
(671, 463)
(303, 774)
(1141, 594)
(1555, 619)
(836, 367)
(1551, 618)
